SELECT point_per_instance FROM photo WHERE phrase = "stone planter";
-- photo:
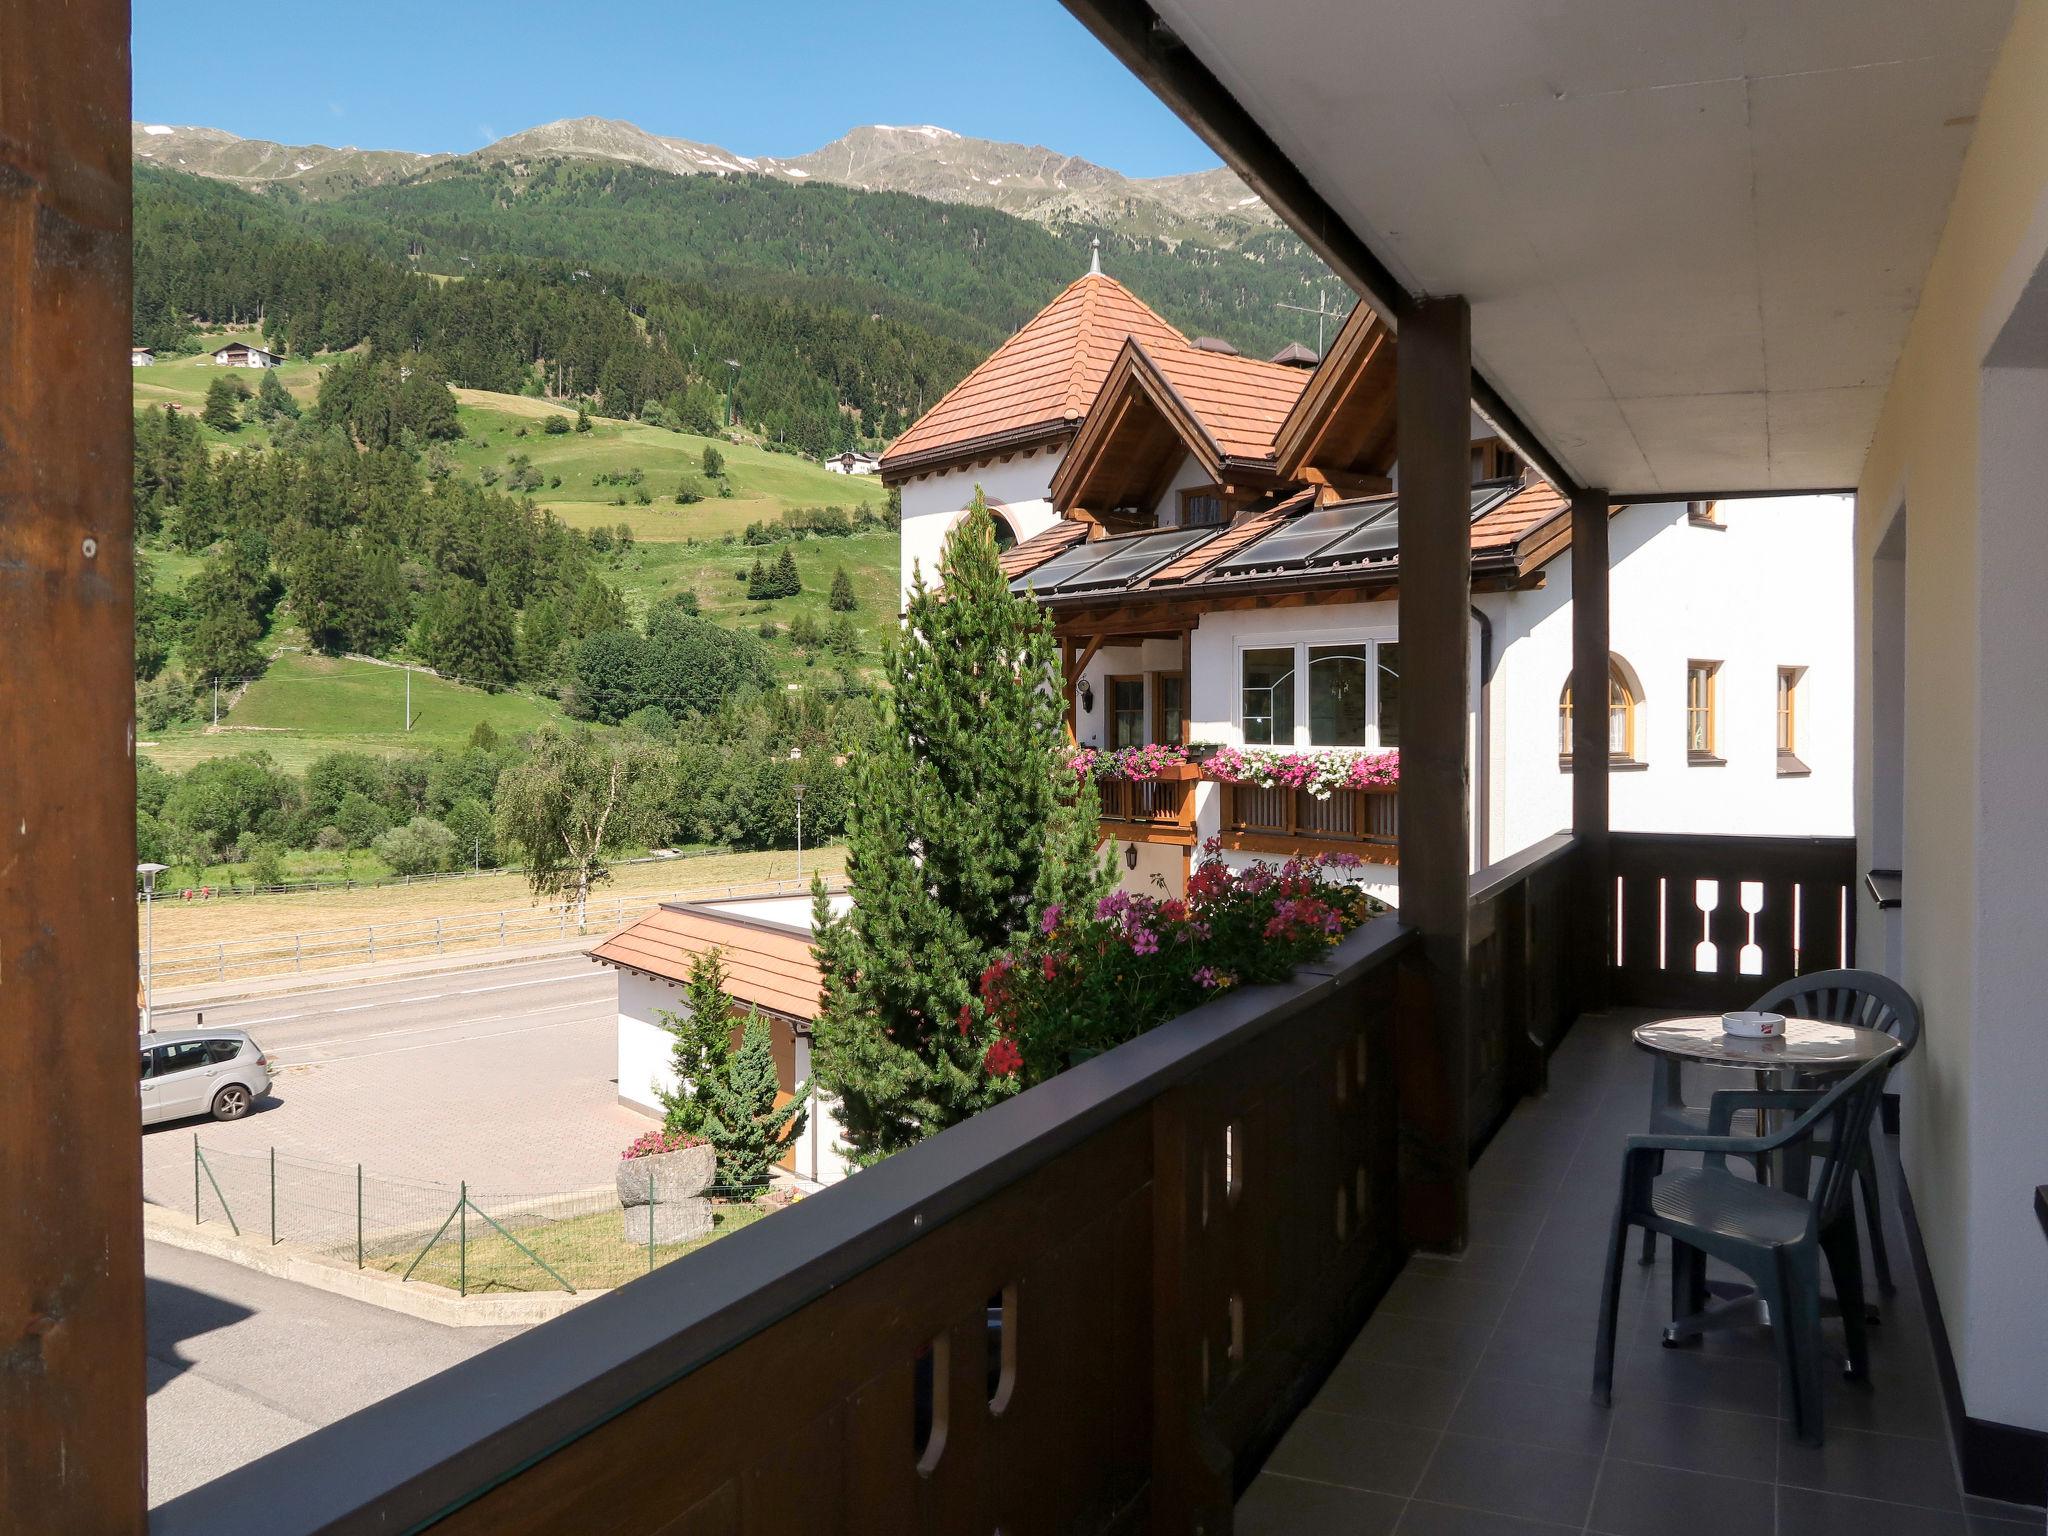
(677, 1181)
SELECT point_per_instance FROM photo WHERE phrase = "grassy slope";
(182, 381)
(652, 572)
(306, 705)
(763, 483)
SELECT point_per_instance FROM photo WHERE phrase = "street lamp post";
(796, 756)
(149, 872)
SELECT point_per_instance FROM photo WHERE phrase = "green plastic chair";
(1775, 1237)
(1873, 1001)
(1864, 998)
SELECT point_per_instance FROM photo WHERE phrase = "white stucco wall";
(1772, 587)
(932, 504)
(644, 1041)
(1951, 548)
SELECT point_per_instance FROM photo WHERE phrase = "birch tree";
(572, 804)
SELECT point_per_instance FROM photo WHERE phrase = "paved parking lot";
(501, 1075)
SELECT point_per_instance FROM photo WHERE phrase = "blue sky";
(774, 77)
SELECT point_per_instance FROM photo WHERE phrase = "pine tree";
(842, 599)
(760, 584)
(273, 399)
(741, 1119)
(961, 830)
(582, 418)
(703, 1044)
(224, 397)
(785, 580)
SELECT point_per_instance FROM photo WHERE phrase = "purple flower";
(1205, 978)
(1049, 919)
(1144, 942)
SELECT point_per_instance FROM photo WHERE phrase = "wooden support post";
(71, 1338)
(1594, 905)
(1435, 412)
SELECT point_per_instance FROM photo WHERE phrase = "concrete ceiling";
(1692, 232)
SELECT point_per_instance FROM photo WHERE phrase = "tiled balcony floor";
(1465, 1406)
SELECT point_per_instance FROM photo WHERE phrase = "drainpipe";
(1482, 776)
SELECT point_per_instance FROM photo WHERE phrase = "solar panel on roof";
(1060, 566)
(1295, 541)
(1131, 559)
(1377, 536)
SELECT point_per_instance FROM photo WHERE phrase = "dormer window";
(1493, 459)
(1202, 507)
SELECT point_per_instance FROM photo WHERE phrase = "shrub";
(419, 847)
(266, 864)
(330, 840)
(555, 426)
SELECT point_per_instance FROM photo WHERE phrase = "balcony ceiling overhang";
(1692, 234)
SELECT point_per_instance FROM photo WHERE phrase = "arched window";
(1006, 531)
(1624, 706)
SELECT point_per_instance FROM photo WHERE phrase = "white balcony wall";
(934, 503)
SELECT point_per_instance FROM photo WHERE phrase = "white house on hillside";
(242, 354)
(1216, 539)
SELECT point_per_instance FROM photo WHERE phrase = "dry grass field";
(227, 919)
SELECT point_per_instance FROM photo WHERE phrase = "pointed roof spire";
(1095, 257)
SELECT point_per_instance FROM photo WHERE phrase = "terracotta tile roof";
(768, 967)
(1250, 526)
(1537, 502)
(1033, 552)
(1046, 374)
(1241, 400)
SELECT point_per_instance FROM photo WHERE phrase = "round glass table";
(1810, 1046)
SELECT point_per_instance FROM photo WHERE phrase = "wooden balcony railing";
(1361, 821)
(1711, 922)
(1124, 1284)
(1149, 810)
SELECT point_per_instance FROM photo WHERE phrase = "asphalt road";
(412, 1013)
(240, 1363)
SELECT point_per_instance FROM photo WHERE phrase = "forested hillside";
(847, 312)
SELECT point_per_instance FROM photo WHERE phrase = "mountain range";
(1211, 208)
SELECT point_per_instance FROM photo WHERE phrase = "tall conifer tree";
(963, 826)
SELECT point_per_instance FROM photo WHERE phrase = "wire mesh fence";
(472, 1239)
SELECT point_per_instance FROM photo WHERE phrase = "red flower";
(1049, 966)
(1003, 1059)
(966, 1018)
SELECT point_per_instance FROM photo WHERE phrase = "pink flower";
(1205, 978)
(1049, 919)
(1144, 942)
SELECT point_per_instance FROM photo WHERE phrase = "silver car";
(217, 1072)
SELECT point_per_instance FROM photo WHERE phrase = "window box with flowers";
(1279, 801)
(1084, 982)
(671, 1170)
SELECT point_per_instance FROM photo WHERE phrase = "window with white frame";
(1326, 693)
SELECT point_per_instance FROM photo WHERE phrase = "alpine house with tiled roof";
(1217, 538)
